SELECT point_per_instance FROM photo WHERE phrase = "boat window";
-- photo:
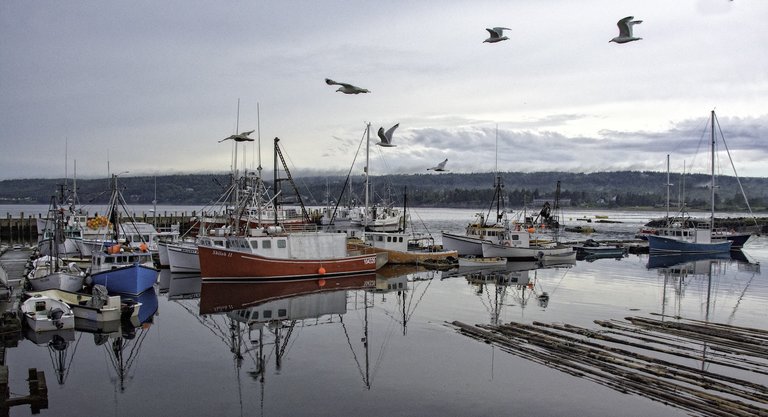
(267, 314)
(40, 306)
(218, 243)
(389, 238)
(400, 239)
(281, 244)
(255, 315)
(515, 237)
(109, 259)
(254, 244)
(266, 245)
(282, 312)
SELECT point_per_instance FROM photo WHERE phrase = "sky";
(151, 87)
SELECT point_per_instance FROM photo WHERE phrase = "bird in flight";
(386, 137)
(346, 88)
(625, 30)
(440, 167)
(242, 137)
(496, 35)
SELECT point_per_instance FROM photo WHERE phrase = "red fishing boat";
(286, 256)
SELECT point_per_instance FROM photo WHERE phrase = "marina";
(277, 348)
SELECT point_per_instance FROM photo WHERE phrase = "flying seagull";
(496, 35)
(242, 137)
(346, 88)
(625, 30)
(386, 137)
(440, 167)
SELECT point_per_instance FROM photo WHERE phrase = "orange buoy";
(531, 230)
(321, 282)
(321, 271)
(143, 247)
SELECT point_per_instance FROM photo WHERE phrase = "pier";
(22, 229)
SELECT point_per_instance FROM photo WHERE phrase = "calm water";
(359, 349)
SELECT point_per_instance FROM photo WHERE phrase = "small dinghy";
(43, 313)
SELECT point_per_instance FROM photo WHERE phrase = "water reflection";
(515, 283)
(679, 271)
(122, 339)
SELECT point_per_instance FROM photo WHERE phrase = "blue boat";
(681, 238)
(120, 266)
(130, 279)
(676, 244)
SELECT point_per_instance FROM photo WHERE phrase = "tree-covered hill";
(600, 189)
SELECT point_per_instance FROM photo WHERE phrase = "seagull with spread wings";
(242, 137)
(496, 35)
(386, 137)
(346, 88)
(625, 30)
(440, 167)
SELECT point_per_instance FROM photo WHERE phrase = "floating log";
(600, 357)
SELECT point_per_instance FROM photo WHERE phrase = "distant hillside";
(601, 189)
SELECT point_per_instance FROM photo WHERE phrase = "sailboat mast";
(367, 181)
(668, 185)
(712, 202)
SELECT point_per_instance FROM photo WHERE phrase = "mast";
(668, 185)
(367, 182)
(712, 202)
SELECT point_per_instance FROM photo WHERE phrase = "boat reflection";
(58, 344)
(515, 283)
(264, 318)
(681, 270)
(184, 286)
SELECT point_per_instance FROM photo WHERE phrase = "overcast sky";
(150, 87)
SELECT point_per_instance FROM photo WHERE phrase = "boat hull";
(463, 245)
(83, 309)
(492, 250)
(661, 244)
(132, 279)
(39, 314)
(225, 264)
(183, 258)
(57, 281)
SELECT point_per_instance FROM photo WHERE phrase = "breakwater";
(22, 228)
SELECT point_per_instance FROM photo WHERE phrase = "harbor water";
(384, 344)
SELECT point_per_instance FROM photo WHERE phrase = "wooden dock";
(22, 229)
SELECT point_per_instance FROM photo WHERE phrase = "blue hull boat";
(661, 244)
(131, 279)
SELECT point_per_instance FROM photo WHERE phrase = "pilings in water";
(22, 228)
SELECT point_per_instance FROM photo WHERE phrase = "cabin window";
(389, 238)
(218, 243)
(267, 314)
(400, 239)
(282, 312)
(515, 237)
(254, 244)
(281, 244)
(255, 315)
(266, 245)
(109, 259)
(380, 238)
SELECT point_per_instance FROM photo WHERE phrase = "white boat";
(97, 307)
(405, 248)
(479, 230)
(43, 313)
(52, 273)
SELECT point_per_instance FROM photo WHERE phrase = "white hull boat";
(42, 313)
